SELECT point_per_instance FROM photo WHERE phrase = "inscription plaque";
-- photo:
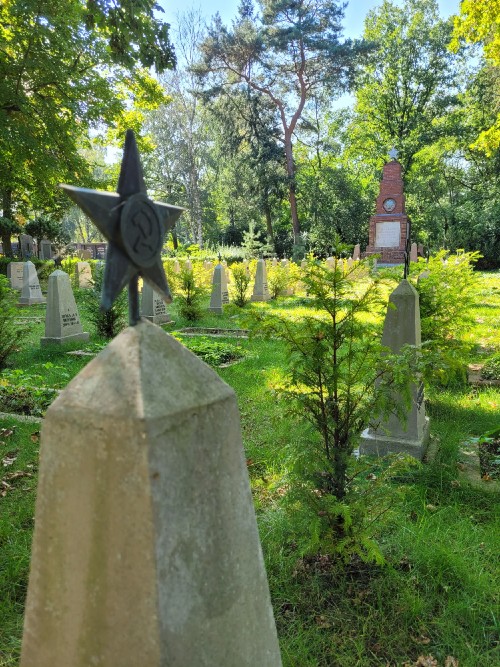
(388, 234)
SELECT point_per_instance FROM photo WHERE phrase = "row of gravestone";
(146, 549)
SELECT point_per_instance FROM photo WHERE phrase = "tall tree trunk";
(7, 213)
(269, 221)
(290, 170)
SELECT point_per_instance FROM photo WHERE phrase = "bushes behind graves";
(110, 322)
(241, 280)
(338, 378)
(10, 334)
(189, 295)
(447, 286)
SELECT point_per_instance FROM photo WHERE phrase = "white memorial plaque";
(388, 234)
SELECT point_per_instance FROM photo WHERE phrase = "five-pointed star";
(393, 153)
(134, 225)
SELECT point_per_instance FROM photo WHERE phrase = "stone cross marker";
(220, 295)
(83, 274)
(260, 289)
(153, 307)
(15, 272)
(31, 292)
(62, 322)
(401, 326)
(145, 549)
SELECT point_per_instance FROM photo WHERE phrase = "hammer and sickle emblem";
(144, 228)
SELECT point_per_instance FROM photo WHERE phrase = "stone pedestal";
(62, 322)
(153, 308)
(260, 289)
(146, 550)
(389, 227)
(401, 327)
(15, 272)
(31, 292)
(220, 295)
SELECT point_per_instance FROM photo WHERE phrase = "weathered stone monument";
(145, 550)
(31, 292)
(188, 265)
(62, 321)
(260, 289)
(153, 307)
(220, 294)
(45, 249)
(177, 266)
(401, 327)
(15, 273)
(389, 227)
(330, 263)
(27, 246)
(413, 253)
(83, 274)
(356, 253)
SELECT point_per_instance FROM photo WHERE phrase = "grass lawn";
(438, 593)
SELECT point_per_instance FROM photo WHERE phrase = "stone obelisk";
(146, 549)
(410, 435)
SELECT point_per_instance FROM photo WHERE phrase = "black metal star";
(135, 227)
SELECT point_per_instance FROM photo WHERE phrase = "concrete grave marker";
(330, 263)
(31, 292)
(153, 308)
(15, 272)
(220, 294)
(27, 246)
(413, 253)
(260, 289)
(45, 249)
(146, 550)
(356, 253)
(188, 265)
(177, 266)
(83, 274)
(62, 322)
(401, 326)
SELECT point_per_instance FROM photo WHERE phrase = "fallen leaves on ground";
(35, 437)
(6, 432)
(9, 458)
(430, 661)
(5, 483)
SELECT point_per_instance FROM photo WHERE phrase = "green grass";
(437, 595)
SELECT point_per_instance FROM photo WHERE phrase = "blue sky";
(353, 22)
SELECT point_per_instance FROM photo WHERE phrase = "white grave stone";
(330, 263)
(62, 322)
(401, 327)
(146, 551)
(177, 266)
(153, 308)
(260, 289)
(220, 294)
(15, 272)
(31, 292)
(356, 253)
(83, 275)
(188, 265)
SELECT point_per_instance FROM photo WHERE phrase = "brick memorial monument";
(389, 227)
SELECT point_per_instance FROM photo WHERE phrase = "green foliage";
(277, 280)
(447, 288)
(10, 334)
(189, 295)
(46, 227)
(491, 368)
(241, 280)
(339, 378)
(212, 352)
(25, 392)
(253, 245)
(108, 323)
(64, 70)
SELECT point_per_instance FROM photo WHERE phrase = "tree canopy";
(67, 66)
